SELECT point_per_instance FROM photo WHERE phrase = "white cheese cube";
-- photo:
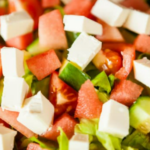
(12, 62)
(84, 49)
(66, 1)
(7, 138)
(16, 24)
(138, 22)
(79, 142)
(114, 119)
(14, 93)
(40, 120)
(76, 23)
(111, 13)
(142, 70)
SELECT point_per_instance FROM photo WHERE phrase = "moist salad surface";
(74, 75)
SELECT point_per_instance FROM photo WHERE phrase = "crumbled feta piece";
(76, 23)
(114, 119)
(138, 22)
(7, 137)
(12, 62)
(16, 24)
(14, 93)
(111, 13)
(79, 141)
(142, 70)
(39, 119)
(84, 49)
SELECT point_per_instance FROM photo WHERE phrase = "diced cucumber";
(72, 75)
(140, 115)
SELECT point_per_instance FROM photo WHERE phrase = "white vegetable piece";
(7, 138)
(76, 23)
(37, 119)
(14, 93)
(16, 24)
(12, 62)
(142, 71)
(138, 22)
(66, 1)
(79, 142)
(84, 49)
(111, 13)
(114, 119)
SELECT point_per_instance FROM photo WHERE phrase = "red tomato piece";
(3, 11)
(50, 3)
(44, 64)
(20, 42)
(34, 146)
(135, 4)
(108, 60)
(51, 31)
(88, 104)
(79, 7)
(126, 92)
(62, 96)
(33, 7)
(128, 54)
(10, 117)
(66, 123)
(110, 34)
(142, 43)
(4, 123)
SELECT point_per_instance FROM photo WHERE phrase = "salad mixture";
(74, 75)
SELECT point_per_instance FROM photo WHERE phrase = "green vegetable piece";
(29, 79)
(72, 75)
(1, 89)
(103, 96)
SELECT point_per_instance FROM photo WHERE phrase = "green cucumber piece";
(140, 114)
(72, 75)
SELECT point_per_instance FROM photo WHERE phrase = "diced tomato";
(88, 104)
(33, 7)
(3, 11)
(108, 60)
(142, 43)
(62, 96)
(20, 42)
(51, 31)
(4, 123)
(110, 34)
(34, 146)
(135, 4)
(50, 3)
(79, 7)
(10, 117)
(66, 123)
(126, 92)
(128, 54)
(44, 64)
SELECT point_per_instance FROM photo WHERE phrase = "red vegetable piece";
(43, 64)
(50, 3)
(126, 92)
(88, 104)
(10, 117)
(4, 123)
(20, 42)
(66, 123)
(79, 7)
(51, 31)
(142, 43)
(62, 96)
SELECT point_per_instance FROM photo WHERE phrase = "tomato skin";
(108, 60)
(62, 96)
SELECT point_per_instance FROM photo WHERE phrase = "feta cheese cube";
(142, 70)
(16, 24)
(79, 141)
(7, 138)
(12, 62)
(111, 13)
(138, 22)
(84, 49)
(66, 1)
(14, 93)
(40, 119)
(76, 23)
(114, 119)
